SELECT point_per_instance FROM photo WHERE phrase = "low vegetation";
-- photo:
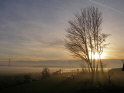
(58, 82)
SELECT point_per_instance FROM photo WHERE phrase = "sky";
(35, 29)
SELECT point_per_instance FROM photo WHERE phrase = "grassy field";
(71, 82)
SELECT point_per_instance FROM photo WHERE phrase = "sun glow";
(97, 56)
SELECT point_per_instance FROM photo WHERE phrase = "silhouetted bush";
(45, 73)
(57, 72)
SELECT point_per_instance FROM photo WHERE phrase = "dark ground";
(62, 83)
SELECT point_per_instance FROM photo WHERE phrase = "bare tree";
(85, 39)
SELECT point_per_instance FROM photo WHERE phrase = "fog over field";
(108, 63)
(21, 67)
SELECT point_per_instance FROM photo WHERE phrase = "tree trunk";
(123, 67)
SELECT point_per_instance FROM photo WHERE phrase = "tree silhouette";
(85, 39)
(123, 65)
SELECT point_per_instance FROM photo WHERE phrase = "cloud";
(106, 6)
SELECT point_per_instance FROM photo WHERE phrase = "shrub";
(57, 72)
(45, 73)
